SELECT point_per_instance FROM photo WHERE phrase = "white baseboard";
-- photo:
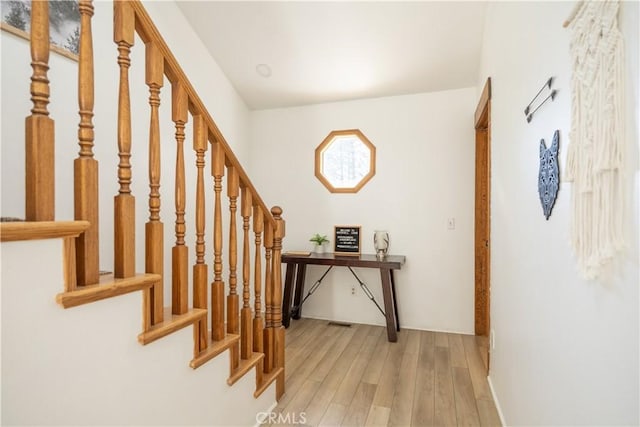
(495, 400)
(384, 325)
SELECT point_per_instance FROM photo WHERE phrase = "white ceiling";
(333, 51)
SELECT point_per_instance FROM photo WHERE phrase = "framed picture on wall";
(64, 23)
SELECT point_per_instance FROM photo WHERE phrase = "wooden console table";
(297, 266)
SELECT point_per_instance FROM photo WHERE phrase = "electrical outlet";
(492, 339)
(353, 290)
(451, 223)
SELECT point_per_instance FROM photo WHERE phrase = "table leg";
(395, 300)
(389, 307)
(297, 302)
(286, 297)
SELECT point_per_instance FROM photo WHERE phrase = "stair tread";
(244, 367)
(107, 288)
(214, 348)
(171, 324)
(35, 230)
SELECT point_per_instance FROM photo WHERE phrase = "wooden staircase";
(224, 317)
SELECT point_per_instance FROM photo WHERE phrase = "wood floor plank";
(488, 413)
(423, 399)
(374, 369)
(390, 371)
(297, 355)
(333, 416)
(445, 412)
(297, 329)
(378, 416)
(441, 339)
(456, 351)
(302, 397)
(327, 362)
(358, 409)
(349, 385)
(316, 352)
(405, 387)
(322, 399)
(476, 368)
(466, 411)
(354, 376)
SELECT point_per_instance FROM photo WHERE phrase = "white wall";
(566, 349)
(231, 115)
(424, 175)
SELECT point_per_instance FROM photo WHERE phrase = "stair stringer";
(85, 366)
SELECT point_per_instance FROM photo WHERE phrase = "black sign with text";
(347, 239)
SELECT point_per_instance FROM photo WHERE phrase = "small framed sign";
(347, 240)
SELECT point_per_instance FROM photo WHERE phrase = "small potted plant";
(319, 242)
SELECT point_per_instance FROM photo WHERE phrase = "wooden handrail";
(148, 32)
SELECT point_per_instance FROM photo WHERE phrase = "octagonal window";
(345, 161)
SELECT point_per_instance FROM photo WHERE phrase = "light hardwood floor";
(352, 376)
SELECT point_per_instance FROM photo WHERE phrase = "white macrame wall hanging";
(596, 151)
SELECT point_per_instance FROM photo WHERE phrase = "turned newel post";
(154, 228)
(85, 167)
(124, 202)
(268, 297)
(276, 275)
(278, 335)
(39, 127)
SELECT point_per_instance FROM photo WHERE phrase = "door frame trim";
(482, 123)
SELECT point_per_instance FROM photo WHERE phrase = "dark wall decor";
(347, 239)
(530, 109)
(548, 175)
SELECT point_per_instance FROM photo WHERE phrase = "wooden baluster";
(154, 228)
(217, 287)
(246, 335)
(268, 298)
(233, 185)
(233, 190)
(258, 324)
(39, 127)
(85, 167)
(180, 253)
(200, 267)
(278, 335)
(124, 202)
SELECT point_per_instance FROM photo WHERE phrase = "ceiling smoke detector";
(263, 70)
